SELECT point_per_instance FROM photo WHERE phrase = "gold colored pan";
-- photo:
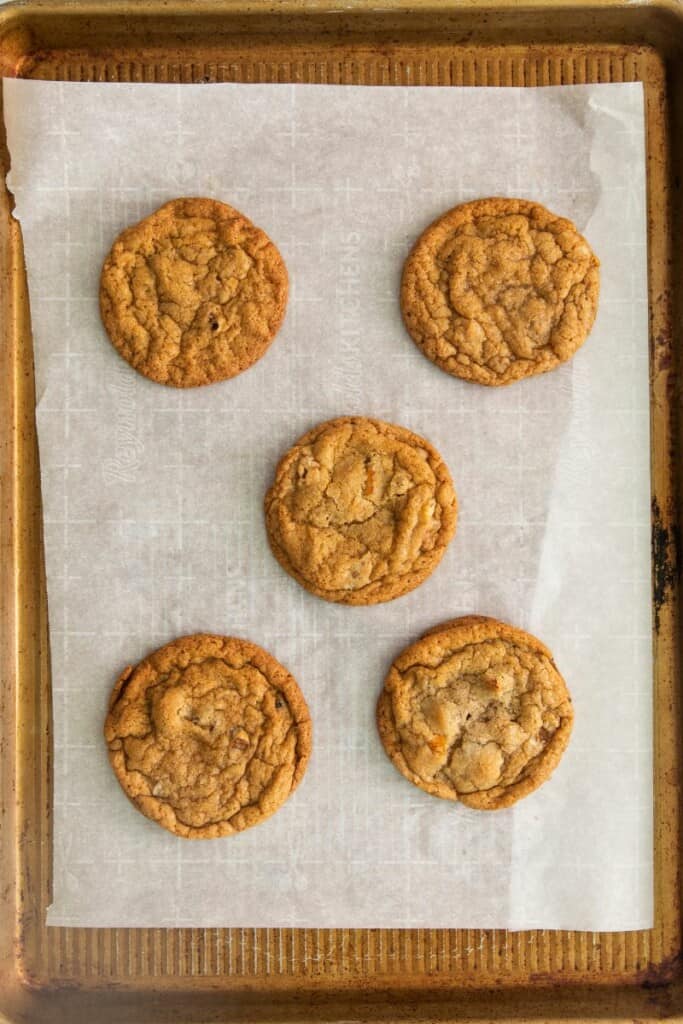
(75, 975)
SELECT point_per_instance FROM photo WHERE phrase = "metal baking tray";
(141, 975)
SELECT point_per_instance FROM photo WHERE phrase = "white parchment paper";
(153, 497)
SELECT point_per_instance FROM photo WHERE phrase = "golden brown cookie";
(475, 711)
(500, 289)
(208, 735)
(193, 294)
(361, 511)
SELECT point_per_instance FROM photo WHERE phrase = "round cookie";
(361, 511)
(500, 289)
(475, 711)
(208, 735)
(193, 294)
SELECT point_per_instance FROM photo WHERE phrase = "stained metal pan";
(141, 975)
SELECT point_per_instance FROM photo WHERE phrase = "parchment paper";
(152, 497)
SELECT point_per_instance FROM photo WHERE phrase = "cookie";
(208, 735)
(500, 289)
(475, 711)
(193, 294)
(361, 511)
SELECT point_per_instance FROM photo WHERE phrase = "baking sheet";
(152, 497)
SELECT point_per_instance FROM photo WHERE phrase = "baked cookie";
(500, 289)
(208, 735)
(361, 511)
(475, 711)
(193, 294)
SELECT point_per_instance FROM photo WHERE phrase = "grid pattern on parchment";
(182, 557)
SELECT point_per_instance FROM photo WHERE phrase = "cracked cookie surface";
(361, 511)
(475, 711)
(193, 294)
(208, 735)
(500, 289)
